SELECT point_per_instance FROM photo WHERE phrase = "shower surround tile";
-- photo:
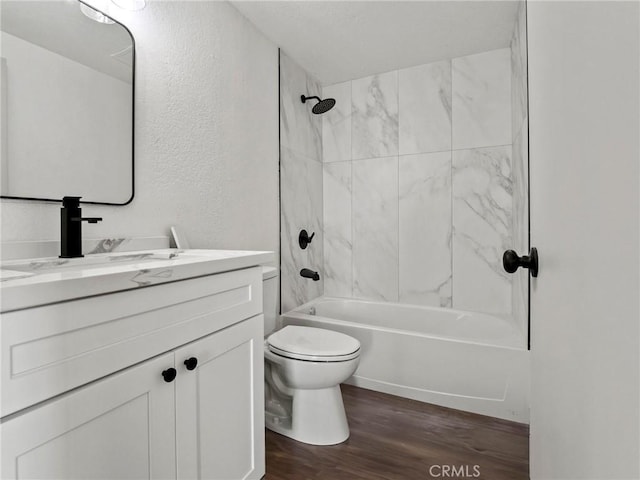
(336, 124)
(481, 104)
(425, 229)
(374, 127)
(375, 229)
(301, 198)
(519, 72)
(482, 215)
(337, 229)
(300, 185)
(398, 224)
(300, 129)
(519, 129)
(520, 279)
(425, 108)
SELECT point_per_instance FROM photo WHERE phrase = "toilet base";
(317, 417)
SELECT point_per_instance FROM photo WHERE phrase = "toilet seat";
(313, 344)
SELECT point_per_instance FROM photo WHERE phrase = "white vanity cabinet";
(120, 427)
(108, 411)
(220, 405)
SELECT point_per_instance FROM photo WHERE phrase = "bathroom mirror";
(66, 98)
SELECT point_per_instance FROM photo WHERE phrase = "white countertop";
(33, 282)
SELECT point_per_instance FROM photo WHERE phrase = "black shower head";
(322, 106)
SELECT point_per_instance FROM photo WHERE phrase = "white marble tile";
(375, 228)
(519, 127)
(51, 248)
(519, 72)
(481, 102)
(520, 298)
(425, 229)
(425, 108)
(337, 229)
(520, 175)
(301, 200)
(520, 241)
(374, 127)
(336, 124)
(300, 129)
(482, 226)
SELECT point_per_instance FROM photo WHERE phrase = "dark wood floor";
(395, 438)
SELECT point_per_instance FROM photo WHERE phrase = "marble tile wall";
(481, 101)
(482, 203)
(418, 184)
(300, 185)
(520, 154)
(375, 228)
(337, 229)
(46, 248)
(425, 102)
(374, 110)
(425, 229)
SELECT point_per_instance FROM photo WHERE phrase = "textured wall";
(418, 185)
(206, 134)
(301, 184)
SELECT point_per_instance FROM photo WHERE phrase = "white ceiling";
(342, 40)
(60, 27)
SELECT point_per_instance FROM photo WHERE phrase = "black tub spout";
(306, 273)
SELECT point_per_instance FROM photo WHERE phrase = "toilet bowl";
(303, 369)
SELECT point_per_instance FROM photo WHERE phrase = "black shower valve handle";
(304, 239)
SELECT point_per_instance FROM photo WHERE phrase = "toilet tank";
(269, 298)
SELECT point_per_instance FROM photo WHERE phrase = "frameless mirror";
(66, 98)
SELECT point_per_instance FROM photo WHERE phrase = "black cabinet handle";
(511, 261)
(169, 375)
(191, 363)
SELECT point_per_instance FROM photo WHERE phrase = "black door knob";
(511, 261)
(191, 363)
(169, 375)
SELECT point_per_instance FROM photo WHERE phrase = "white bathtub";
(463, 360)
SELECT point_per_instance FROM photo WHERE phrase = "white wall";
(206, 134)
(52, 98)
(584, 87)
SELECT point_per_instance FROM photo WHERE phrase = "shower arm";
(305, 98)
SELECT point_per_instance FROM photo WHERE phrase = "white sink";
(39, 281)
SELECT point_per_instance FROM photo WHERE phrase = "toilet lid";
(312, 342)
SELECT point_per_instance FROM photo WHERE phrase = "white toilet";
(303, 369)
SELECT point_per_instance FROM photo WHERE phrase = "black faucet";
(71, 227)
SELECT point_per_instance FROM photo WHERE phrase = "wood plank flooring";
(394, 438)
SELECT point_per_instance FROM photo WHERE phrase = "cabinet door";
(220, 405)
(120, 427)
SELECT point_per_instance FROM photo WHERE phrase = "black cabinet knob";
(169, 375)
(191, 363)
(511, 261)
